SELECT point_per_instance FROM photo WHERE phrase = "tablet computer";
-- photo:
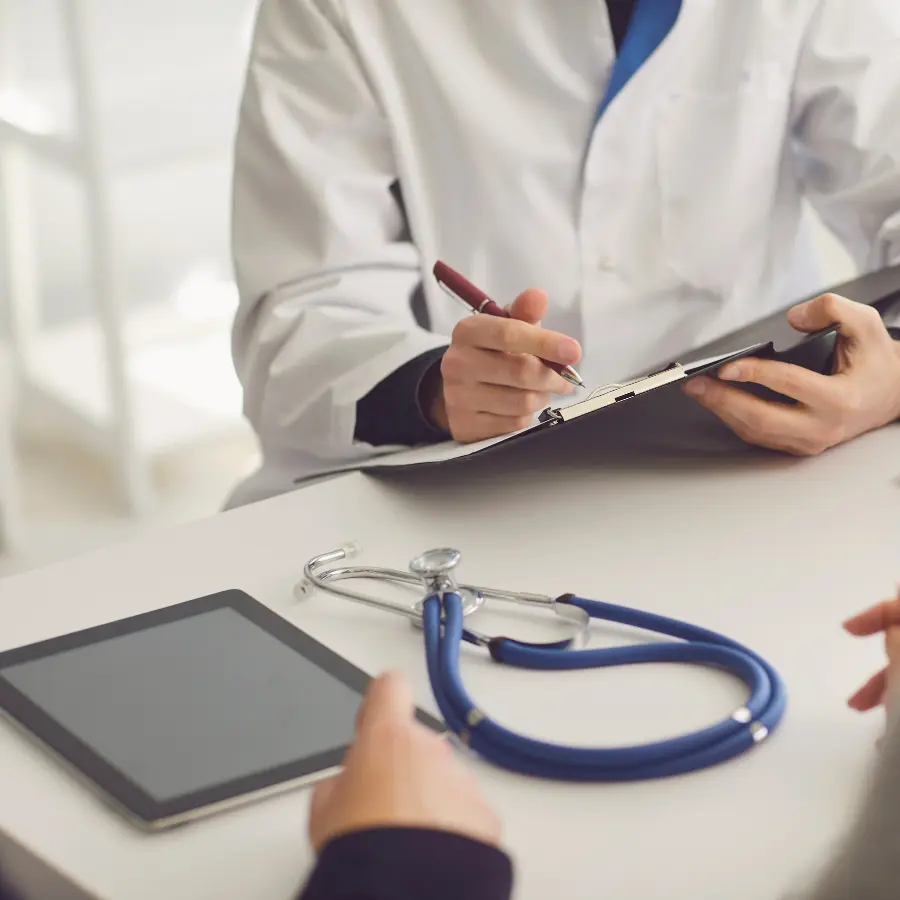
(188, 710)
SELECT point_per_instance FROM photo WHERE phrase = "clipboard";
(673, 374)
(651, 409)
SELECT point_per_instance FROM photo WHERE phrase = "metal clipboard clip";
(610, 394)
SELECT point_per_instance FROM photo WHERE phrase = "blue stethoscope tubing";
(444, 633)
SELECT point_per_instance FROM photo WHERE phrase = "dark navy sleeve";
(409, 864)
(392, 412)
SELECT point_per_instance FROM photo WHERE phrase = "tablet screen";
(208, 703)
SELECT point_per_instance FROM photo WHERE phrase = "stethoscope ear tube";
(746, 727)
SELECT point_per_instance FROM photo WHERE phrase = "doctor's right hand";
(492, 380)
(398, 773)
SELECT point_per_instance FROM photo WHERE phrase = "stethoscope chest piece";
(435, 563)
(433, 567)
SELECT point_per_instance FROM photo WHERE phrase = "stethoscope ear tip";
(350, 550)
(307, 584)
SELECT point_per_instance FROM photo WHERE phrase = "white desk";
(773, 552)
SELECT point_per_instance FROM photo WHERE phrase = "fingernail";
(695, 388)
(732, 372)
(567, 351)
(799, 314)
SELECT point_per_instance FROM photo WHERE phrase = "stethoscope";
(440, 614)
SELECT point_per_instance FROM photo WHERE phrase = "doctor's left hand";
(862, 393)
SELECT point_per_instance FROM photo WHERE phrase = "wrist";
(392, 413)
(431, 398)
(896, 416)
(892, 688)
(892, 707)
(410, 862)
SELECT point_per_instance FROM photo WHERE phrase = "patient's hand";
(881, 619)
(399, 774)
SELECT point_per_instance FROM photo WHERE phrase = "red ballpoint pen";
(479, 302)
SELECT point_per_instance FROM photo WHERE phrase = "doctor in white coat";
(377, 136)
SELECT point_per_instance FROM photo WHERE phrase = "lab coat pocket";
(718, 161)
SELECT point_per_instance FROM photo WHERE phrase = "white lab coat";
(674, 220)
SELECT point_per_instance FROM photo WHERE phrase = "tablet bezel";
(115, 786)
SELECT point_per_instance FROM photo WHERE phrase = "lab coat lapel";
(651, 23)
(670, 43)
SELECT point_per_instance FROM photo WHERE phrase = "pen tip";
(571, 376)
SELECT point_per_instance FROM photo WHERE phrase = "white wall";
(171, 73)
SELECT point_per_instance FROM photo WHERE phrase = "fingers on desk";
(871, 694)
(878, 618)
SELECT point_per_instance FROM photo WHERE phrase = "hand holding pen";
(479, 302)
(501, 366)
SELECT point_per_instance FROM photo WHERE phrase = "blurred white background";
(168, 80)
